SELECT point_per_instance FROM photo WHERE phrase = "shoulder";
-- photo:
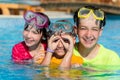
(75, 50)
(109, 54)
(19, 47)
(106, 50)
(20, 52)
(77, 59)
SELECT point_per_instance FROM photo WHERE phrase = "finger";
(69, 40)
(69, 37)
(64, 44)
(54, 45)
(53, 39)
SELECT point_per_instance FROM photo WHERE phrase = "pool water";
(11, 33)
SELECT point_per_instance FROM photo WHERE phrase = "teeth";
(28, 41)
(89, 39)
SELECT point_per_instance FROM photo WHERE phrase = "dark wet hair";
(42, 30)
(76, 19)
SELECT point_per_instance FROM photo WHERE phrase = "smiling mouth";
(60, 49)
(88, 40)
(28, 41)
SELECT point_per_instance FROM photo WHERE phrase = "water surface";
(11, 33)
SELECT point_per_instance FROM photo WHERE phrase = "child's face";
(63, 44)
(89, 31)
(31, 36)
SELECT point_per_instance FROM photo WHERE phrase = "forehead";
(91, 21)
(62, 33)
(32, 27)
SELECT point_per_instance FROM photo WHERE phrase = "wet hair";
(77, 19)
(42, 30)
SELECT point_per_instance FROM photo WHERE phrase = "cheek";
(80, 33)
(97, 35)
(38, 37)
(24, 33)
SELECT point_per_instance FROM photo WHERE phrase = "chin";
(29, 45)
(89, 46)
(60, 53)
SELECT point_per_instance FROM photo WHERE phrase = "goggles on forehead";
(60, 26)
(36, 19)
(86, 12)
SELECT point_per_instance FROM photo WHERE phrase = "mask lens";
(99, 14)
(84, 11)
(36, 19)
(67, 27)
(40, 21)
(61, 26)
(29, 16)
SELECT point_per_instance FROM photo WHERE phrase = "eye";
(95, 29)
(82, 28)
(55, 40)
(66, 40)
(35, 32)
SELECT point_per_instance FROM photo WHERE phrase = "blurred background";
(12, 25)
(18, 7)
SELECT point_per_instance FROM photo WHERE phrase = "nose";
(88, 33)
(60, 44)
(28, 34)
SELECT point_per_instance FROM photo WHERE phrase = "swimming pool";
(11, 33)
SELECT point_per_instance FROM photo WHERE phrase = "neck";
(58, 57)
(36, 49)
(88, 53)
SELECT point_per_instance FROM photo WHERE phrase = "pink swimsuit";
(20, 52)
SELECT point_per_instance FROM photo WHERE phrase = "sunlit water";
(11, 33)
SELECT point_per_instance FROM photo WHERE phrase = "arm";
(47, 59)
(52, 44)
(20, 53)
(66, 62)
(38, 57)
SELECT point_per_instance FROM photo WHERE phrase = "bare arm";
(66, 62)
(47, 59)
(52, 44)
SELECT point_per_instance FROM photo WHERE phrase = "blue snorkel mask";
(61, 26)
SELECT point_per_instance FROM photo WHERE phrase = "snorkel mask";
(61, 26)
(86, 12)
(37, 19)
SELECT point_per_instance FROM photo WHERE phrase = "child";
(34, 34)
(60, 46)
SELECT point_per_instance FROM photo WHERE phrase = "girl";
(32, 49)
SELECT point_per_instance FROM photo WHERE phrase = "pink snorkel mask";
(37, 19)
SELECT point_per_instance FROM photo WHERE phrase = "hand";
(67, 41)
(38, 57)
(53, 42)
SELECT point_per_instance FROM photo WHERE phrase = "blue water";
(11, 33)
(29, 2)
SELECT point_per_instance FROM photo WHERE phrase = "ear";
(101, 30)
(75, 29)
(74, 39)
